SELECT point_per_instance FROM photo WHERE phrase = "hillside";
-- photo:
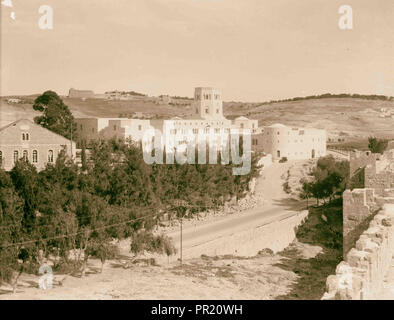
(352, 117)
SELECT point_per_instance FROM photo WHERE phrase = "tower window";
(16, 156)
(35, 156)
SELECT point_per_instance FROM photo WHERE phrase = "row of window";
(139, 127)
(208, 96)
(218, 123)
(207, 111)
(196, 131)
(25, 156)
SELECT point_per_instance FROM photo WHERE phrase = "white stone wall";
(293, 143)
(361, 275)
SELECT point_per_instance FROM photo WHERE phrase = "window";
(81, 127)
(217, 130)
(206, 130)
(35, 156)
(139, 127)
(206, 110)
(1, 157)
(217, 110)
(25, 155)
(195, 131)
(242, 125)
(115, 127)
(50, 156)
(93, 130)
(16, 156)
(25, 136)
(196, 110)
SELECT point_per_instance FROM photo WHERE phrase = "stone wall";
(361, 275)
(360, 159)
(275, 235)
(370, 170)
(378, 180)
(358, 208)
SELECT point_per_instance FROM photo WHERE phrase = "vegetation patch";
(312, 273)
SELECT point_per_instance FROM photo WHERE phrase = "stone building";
(93, 129)
(293, 143)
(82, 94)
(27, 140)
(208, 120)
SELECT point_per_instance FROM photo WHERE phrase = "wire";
(81, 232)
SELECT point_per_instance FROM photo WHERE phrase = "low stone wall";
(361, 275)
(275, 235)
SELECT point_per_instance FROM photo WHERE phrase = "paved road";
(274, 207)
(199, 234)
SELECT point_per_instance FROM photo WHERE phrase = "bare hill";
(355, 117)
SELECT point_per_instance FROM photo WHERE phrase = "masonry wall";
(361, 275)
(274, 235)
(378, 180)
(358, 209)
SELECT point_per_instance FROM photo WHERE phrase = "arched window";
(16, 156)
(1, 157)
(23, 136)
(50, 156)
(27, 137)
(35, 156)
(25, 155)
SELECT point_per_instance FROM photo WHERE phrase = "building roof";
(241, 118)
(277, 125)
(2, 129)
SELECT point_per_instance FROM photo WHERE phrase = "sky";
(252, 50)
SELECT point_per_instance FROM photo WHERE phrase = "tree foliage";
(328, 179)
(68, 213)
(56, 116)
(377, 145)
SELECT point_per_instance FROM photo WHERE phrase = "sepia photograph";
(213, 152)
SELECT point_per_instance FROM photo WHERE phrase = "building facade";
(208, 121)
(23, 139)
(82, 94)
(293, 143)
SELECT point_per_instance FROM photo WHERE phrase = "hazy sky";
(253, 50)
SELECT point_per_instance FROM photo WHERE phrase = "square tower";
(208, 103)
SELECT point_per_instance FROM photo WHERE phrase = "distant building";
(13, 100)
(27, 140)
(82, 94)
(293, 143)
(93, 129)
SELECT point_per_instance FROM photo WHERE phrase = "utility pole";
(71, 139)
(181, 240)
